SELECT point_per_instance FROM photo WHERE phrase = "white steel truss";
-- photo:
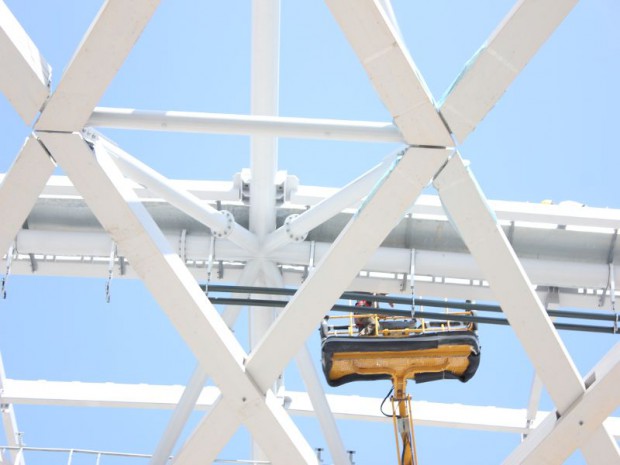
(266, 229)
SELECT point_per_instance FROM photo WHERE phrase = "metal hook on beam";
(210, 263)
(9, 260)
(110, 272)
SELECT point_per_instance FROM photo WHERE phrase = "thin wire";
(384, 399)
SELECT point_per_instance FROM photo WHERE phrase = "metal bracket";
(33, 261)
(289, 230)
(230, 221)
(308, 269)
(511, 233)
(9, 260)
(552, 296)
(183, 245)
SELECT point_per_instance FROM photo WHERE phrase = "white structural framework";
(112, 215)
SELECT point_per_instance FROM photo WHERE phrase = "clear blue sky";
(552, 136)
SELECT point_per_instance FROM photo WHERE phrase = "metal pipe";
(219, 223)
(328, 207)
(253, 125)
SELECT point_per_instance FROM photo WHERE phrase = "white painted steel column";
(263, 149)
(265, 87)
(252, 125)
(180, 297)
(556, 439)
(21, 187)
(95, 63)
(486, 241)
(382, 210)
(498, 62)
(219, 223)
(327, 208)
(25, 75)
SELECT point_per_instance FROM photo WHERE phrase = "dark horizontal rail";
(473, 318)
(433, 303)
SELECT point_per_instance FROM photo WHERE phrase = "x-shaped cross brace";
(244, 380)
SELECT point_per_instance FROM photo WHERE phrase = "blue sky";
(550, 137)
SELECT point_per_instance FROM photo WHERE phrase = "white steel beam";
(252, 125)
(488, 245)
(556, 439)
(597, 450)
(212, 434)
(329, 207)
(486, 241)
(564, 214)
(390, 283)
(542, 272)
(569, 215)
(100, 55)
(221, 225)
(81, 254)
(392, 71)
(25, 75)
(357, 408)
(21, 187)
(189, 310)
(493, 68)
